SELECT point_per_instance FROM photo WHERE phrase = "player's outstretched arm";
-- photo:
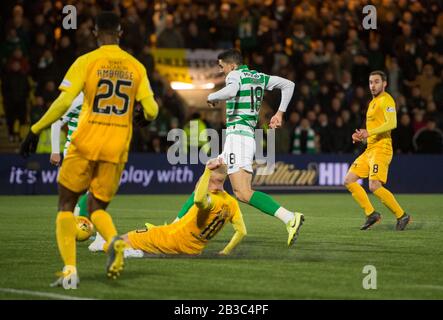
(240, 232)
(55, 111)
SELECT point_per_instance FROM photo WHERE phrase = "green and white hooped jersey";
(71, 118)
(244, 108)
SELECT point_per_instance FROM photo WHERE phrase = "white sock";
(284, 215)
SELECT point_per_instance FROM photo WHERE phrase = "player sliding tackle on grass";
(381, 119)
(212, 208)
(243, 94)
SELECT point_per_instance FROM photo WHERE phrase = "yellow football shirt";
(111, 80)
(190, 234)
(381, 112)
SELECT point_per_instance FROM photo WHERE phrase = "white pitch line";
(42, 294)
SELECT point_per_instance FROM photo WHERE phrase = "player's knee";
(243, 195)
(348, 180)
(374, 185)
(95, 204)
(67, 200)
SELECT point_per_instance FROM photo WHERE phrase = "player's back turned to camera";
(111, 80)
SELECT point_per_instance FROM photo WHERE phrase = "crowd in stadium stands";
(320, 45)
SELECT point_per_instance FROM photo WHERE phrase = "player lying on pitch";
(212, 208)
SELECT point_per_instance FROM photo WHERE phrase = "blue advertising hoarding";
(152, 174)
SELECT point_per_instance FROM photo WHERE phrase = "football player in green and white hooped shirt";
(243, 94)
(70, 118)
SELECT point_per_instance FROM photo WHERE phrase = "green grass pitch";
(326, 263)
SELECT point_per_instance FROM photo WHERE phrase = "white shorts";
(238, 152)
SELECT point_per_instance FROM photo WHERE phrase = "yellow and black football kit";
(381, 118)
(111, 80)
(189, 235)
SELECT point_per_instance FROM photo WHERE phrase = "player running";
(381, 119)
(243, 94)
(111, 80)
(212, 209)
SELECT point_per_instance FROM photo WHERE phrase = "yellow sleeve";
(150, 107)
(390, 115)
(75, 78)
(57, 109)
(144, 88)
(202, 198)
(240, 231)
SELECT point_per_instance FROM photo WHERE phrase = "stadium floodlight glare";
(177, 85)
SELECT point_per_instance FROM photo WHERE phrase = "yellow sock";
(104, 225)
(360, 195)
(388, 199)
(66, 231)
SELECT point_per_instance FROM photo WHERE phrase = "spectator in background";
(193, 39)
(65, 56)
(85, 40)
(438, 92)
(293, 122)
(429, 139)
(39, 45)
(304, 138)
(426, 81)
(419, 121)
(319, 46)
(170, 37)
(156, 146)
(11, 42)
(225, 25)
(46, 69)
(335, 111)
(134, 31)
(356, 120)
(395, 77)
(247, 33)
(341, 142)
(323, 130)
(376, 58)
(283, 140)
(416, 101)
(402, 135)
(146, 58)
(15, 91)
